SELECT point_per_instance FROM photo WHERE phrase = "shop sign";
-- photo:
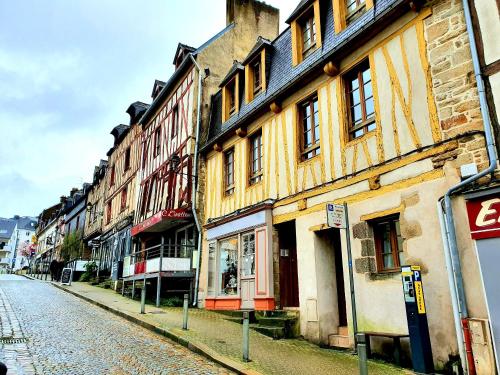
(175, 214)
(335, 216)
(484, 217)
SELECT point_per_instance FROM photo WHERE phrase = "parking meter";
(416, 315)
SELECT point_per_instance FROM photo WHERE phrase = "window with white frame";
(248, 254)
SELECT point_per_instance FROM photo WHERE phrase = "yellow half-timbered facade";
(351, 114)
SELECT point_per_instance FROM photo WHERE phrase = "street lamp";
(174, 163)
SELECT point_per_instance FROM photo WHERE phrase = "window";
(175, 121)
(228, 267)
(152, 193)
(257, 76)
(388, 244)
(69, 227)
(157, 145)
(248, 255)
(231, 97)
(212, 258)
(354, 9)
(108, 213)
(256, 158)
(359, 98)
(123, 202)
(229, 171)
(309, 119)
(127, 159)
(308, 26)
(112, 177)
(77, 222)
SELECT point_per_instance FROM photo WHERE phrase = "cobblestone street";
(47, 331)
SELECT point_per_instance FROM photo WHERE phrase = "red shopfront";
(483, 209)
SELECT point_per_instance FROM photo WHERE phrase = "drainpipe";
(450, 223)
(195, 179)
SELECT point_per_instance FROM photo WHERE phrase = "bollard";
(246, 337)
(362, 354)
(143, 298)
(185, 312)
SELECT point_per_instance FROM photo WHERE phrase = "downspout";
(195, 180)
(450, 222)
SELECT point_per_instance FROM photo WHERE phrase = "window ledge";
(383, 275)
(352, 142)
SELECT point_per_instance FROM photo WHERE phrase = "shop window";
(388, 244)
(175, 121)
(123, 201)
(248, 255)
(127, 159)
(228, 267)
(256, 158)
(309, 125)
(212, 258)
(359, 100)
(157, 143)
(229, 172)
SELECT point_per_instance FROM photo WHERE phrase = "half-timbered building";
(120, 197)
(344, 107)
(166, 216)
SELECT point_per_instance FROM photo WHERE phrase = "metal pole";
(185, 312)
(143, 298)
(246, 337)
(351, 277)
(158, 284)
(362, 355)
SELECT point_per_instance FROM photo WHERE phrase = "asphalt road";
(44, 330)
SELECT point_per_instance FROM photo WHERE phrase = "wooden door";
(289, 283)
(247, 271)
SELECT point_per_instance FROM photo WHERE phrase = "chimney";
(63, 199)
(73, 192)
(252, 13)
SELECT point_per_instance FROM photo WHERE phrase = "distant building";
(6, 229)
(24, 233)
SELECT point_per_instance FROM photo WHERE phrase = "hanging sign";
(335, 216)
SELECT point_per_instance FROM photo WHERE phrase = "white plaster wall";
(487, 12)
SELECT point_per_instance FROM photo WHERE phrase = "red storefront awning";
(162, 220)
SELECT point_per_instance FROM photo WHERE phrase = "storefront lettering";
(486, 211)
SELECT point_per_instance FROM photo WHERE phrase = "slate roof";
(284, 77)
(237, 67)
(261, 43)
(27, 223)
(302, 5)
(178, 72)
(6, 227)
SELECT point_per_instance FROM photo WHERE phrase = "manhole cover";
(157, 312)
(12, 340)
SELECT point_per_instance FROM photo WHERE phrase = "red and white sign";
(484, 217)
(177, 214)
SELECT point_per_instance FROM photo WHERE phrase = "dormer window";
(305, 25)
(257, 76)
(308, 26)
(231, 97)
(354, 8)
(346, 12)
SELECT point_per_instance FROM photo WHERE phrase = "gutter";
(195, 180)
(451, 236)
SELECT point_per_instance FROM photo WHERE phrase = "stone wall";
(454, 85)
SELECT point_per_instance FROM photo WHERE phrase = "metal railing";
(165, 251)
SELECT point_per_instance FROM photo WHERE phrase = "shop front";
(483, 208)
(240, 272)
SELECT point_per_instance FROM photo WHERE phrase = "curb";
(195, 347)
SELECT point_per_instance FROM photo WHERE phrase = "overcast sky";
(68, 72)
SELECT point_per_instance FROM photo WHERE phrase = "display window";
(228, 267)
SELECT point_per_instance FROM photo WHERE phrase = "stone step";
(343, 331)
(274, 332)
(339, 341)
(282, 321)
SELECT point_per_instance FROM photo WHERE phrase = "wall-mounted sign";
(335, 216)
(484, 217)
(175, 214)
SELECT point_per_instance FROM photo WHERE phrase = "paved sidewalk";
(220, 339)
